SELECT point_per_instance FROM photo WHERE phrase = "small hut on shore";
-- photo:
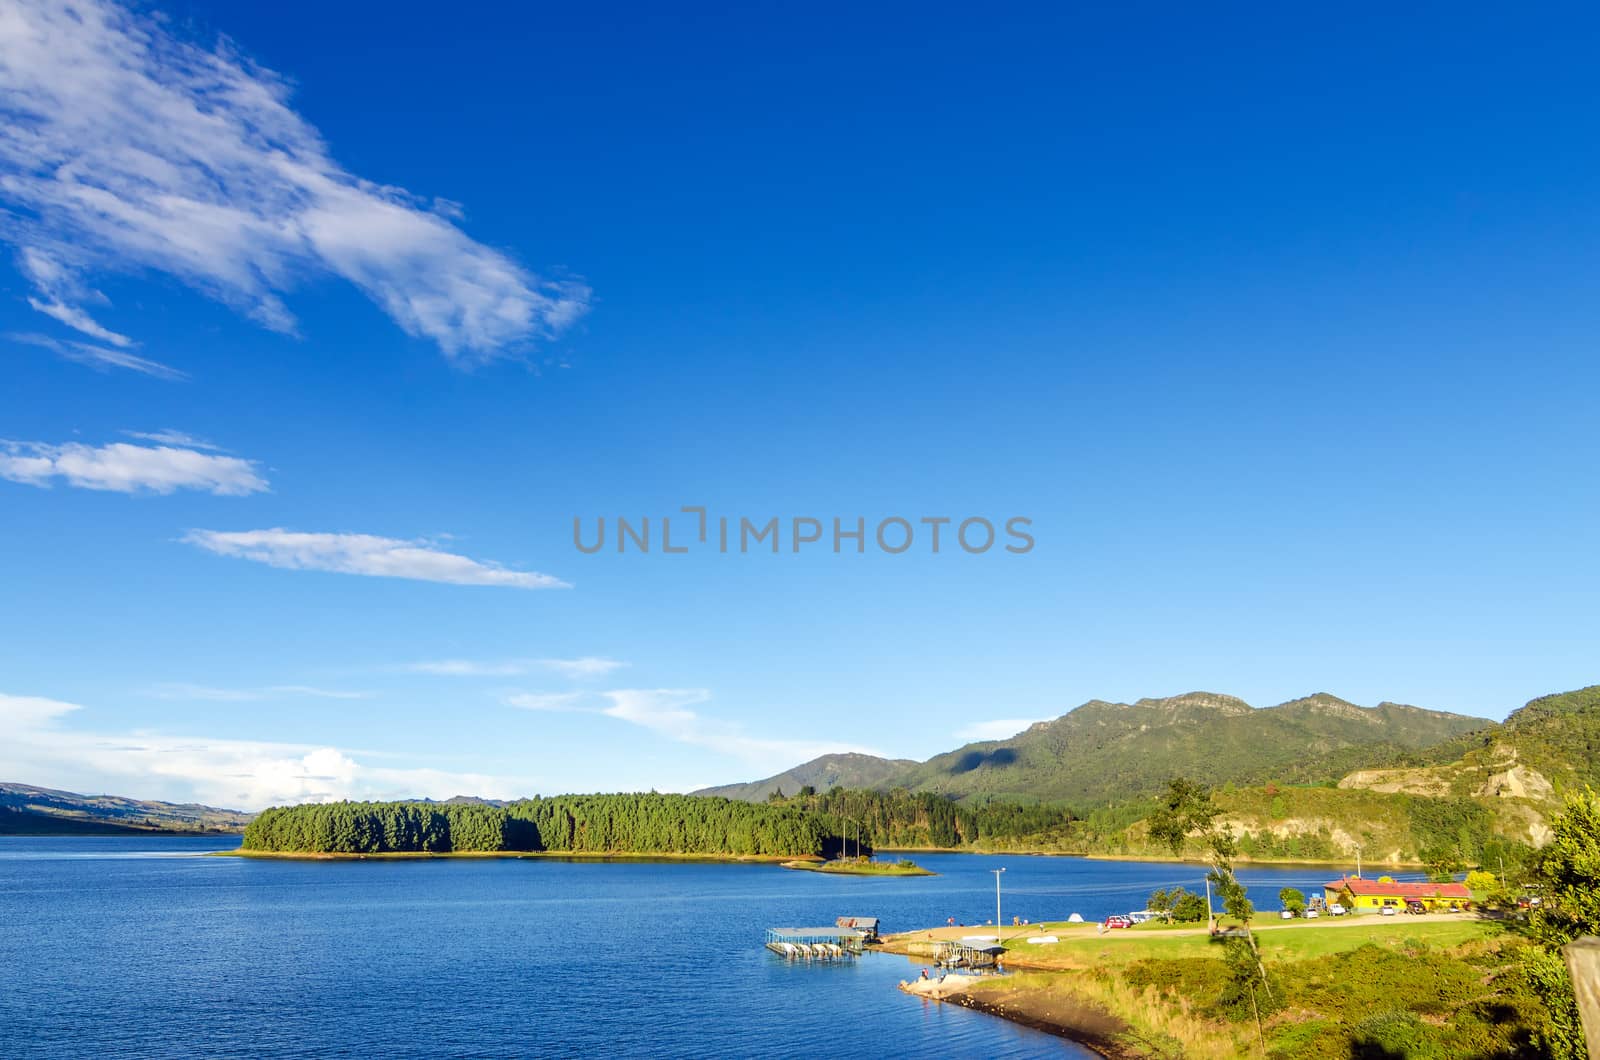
(867, 925)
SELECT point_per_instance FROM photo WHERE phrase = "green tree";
(1568, 873)
(1443, 862)
(1293, 900)
(1186, 809)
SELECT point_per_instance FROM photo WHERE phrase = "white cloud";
(241, 774)
(587, 666)
(999, 729)
(546, 701)
(574, 669)
(180, 690)
(127, 149)
(127, 468)
(171, 437)
(466, 668)
(98, 356)
(381, 557)
(665, 711)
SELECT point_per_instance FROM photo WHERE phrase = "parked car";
(1337, 910)
(1114, 922)
(1414, 907)
(1390, 910)
(1286, 915)
(1312, 914)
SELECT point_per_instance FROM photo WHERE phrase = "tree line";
(629, 823)
(899, 818)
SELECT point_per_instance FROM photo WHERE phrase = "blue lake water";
(140, 947)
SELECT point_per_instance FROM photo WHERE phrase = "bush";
(1390, 1034)
(1545, 975)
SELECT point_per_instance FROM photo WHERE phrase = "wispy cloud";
(97, 356)
(178, 438)
(999, 729)
(574, 669)
(587, 666)
(379, 557)
(127, 468)
(128, 149)
(243, 774)
(547, 701)
(666, 711)
(208, 693)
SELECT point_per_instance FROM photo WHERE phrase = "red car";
(1114, 922)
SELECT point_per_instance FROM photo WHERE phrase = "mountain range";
(28, 810)
(1102, 753)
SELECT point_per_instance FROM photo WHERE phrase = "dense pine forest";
(589, 824)
(901, 819)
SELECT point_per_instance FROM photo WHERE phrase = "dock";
(816, 943)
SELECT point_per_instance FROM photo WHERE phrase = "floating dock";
(817, 943)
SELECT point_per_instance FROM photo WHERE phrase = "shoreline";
(1030, 1003)
(1086, 1024)
(1194, 860)
(834, 868)
(555, 855)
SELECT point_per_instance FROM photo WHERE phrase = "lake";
(143, 947)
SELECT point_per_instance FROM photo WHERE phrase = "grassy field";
(1082, 946)
(1291, 941)
(1426, 988)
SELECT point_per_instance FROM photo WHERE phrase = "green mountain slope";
(1104, 753)
(1108, 752)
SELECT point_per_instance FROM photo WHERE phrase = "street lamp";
(1358, 861)
(997, 873)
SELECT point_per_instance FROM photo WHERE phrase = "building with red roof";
(1362, 895)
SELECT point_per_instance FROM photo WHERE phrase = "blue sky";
(313, 343)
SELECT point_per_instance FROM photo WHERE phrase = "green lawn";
(1082, 946)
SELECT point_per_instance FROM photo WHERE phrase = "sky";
(322, 326)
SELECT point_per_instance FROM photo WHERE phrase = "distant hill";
(1312, 779)
(28, 810)
(1102, 752)
(840, 770)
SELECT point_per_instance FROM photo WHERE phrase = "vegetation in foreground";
(1430, 990)
(579, 824)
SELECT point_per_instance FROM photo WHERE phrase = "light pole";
(997, 873)
(1358, 861)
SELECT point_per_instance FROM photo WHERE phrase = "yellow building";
(1370, 896)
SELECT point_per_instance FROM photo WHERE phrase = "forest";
(902, 819)
(584, 824)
